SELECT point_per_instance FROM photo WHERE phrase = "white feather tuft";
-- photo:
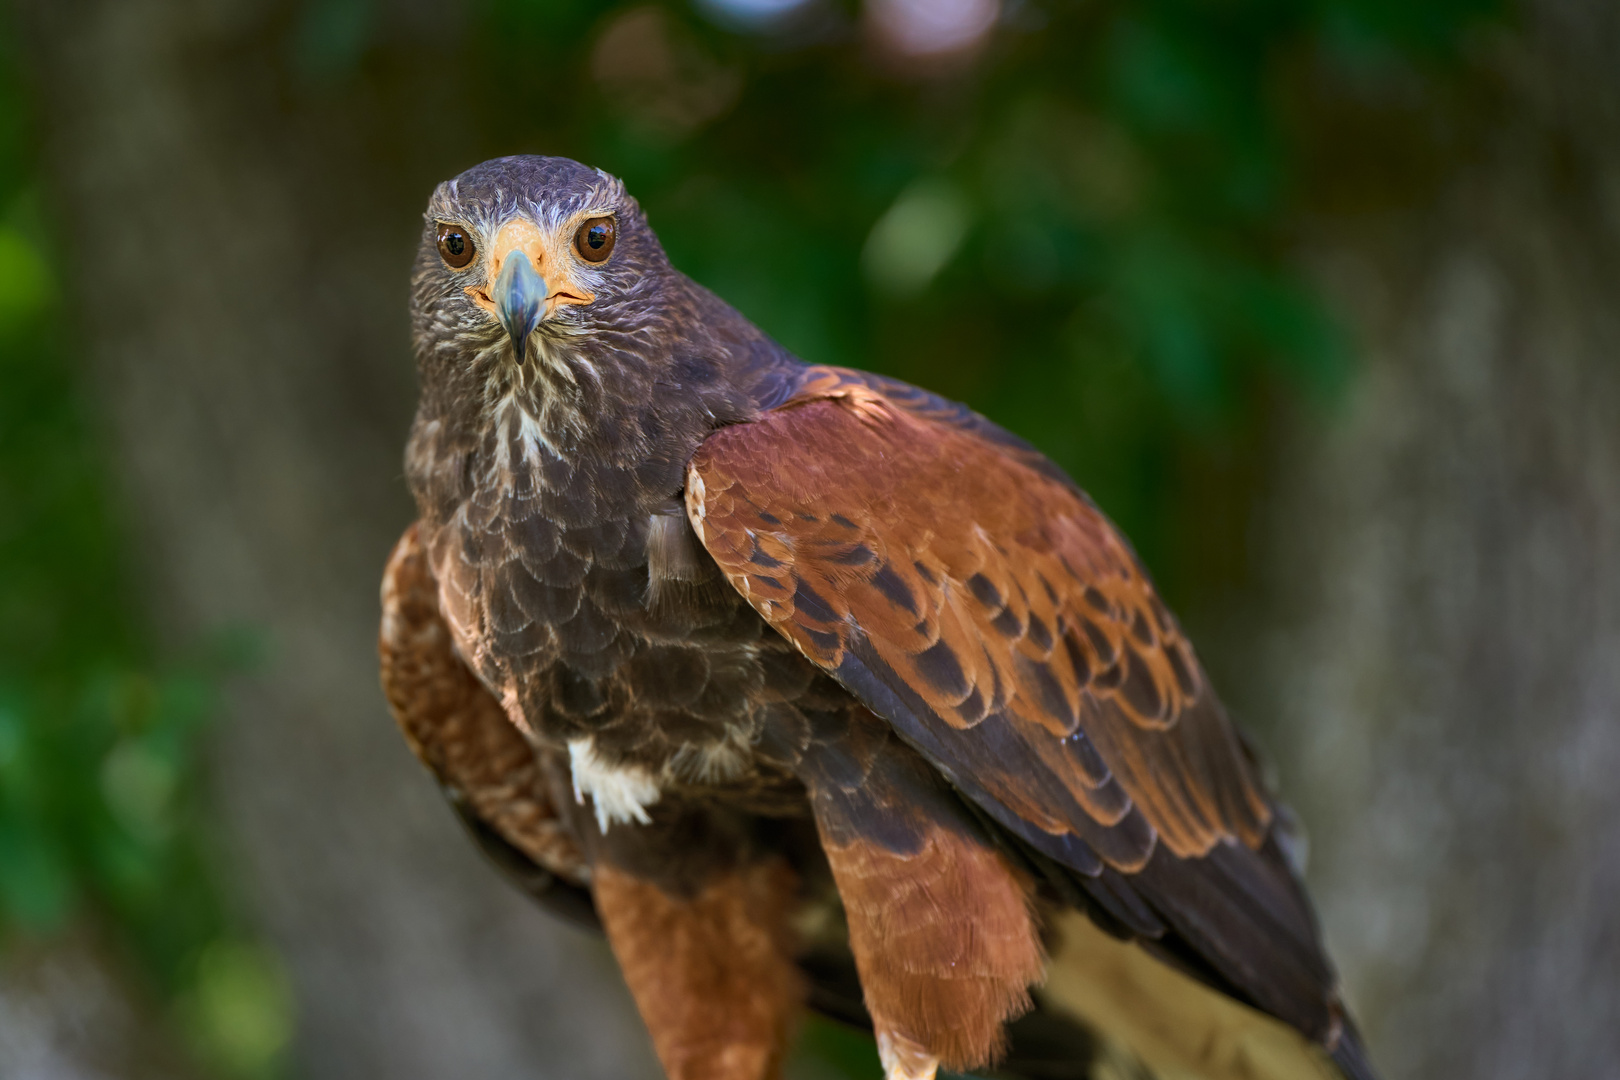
(619, 793)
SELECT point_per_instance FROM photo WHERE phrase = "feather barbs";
(989, 590)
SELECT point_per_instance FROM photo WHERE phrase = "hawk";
(809, 686)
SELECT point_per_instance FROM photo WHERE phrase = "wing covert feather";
(967, 592)
(1051, 676)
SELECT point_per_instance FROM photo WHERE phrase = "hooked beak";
(520, 297)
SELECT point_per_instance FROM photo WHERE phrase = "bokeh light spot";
(916, 237)
(923, 28)
(750, 13)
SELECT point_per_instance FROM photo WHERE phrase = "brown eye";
(455, 245)
(594, 241)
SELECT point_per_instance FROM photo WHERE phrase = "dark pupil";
(596, 235)
(455, 243)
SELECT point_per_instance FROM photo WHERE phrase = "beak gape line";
(520, 296)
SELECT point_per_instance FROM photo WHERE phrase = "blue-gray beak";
(520, 296)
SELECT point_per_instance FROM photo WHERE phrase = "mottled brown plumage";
(802, 671)
(487, 769)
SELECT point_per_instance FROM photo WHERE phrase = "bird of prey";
(809, 686)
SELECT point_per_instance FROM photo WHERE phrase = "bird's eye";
(594, 241)
(455, 246)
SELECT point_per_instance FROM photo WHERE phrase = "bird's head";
(522, 257)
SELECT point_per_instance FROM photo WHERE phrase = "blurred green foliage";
(100, 796)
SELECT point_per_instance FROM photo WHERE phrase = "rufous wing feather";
(970, 595)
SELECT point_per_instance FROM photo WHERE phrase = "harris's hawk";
(808, 685)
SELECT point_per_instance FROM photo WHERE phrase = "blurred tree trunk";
(1444, 664)
(239, 242)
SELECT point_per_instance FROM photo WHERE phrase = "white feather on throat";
(538, 419)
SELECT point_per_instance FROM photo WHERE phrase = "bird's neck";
(596, 428)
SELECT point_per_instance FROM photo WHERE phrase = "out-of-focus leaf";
(239, 1009)
(916, 237)
(36, 884)
(25, 280)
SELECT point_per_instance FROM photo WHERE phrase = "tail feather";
(1350, 1055)
(1175, 1023)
